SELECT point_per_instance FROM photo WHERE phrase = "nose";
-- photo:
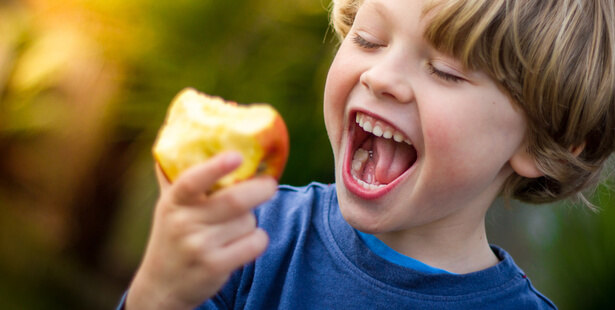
(390, 78)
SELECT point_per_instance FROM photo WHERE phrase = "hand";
(198, 240)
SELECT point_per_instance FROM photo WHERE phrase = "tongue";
(393, 159)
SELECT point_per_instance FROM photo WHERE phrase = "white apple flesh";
(199, 126)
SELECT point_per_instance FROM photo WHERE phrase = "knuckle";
(180, 220)
(251, 250)
(265, 190)
(192, 249)
(214, 265)
(184, 191)
(272, 186)
(248, 220)
(258, 244)
(234, 202)
(269, 185)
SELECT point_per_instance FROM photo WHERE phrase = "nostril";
(385, 94)
(364, 82)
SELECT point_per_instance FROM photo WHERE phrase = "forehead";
(399, 12)
(409, 12)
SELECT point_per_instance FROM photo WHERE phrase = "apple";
(199, 126)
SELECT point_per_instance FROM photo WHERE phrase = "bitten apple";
(199, 126)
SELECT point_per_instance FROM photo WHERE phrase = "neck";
(458, 248)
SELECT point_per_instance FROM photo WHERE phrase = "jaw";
(375, 161)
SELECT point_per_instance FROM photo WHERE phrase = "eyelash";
(359, 41)
(443, 75)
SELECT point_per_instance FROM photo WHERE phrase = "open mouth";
(379, 156)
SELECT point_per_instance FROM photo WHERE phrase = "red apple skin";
(276, 144)
(272, 139)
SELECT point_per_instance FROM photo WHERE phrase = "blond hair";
(555, 59)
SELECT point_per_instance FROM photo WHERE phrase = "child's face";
(463, 129)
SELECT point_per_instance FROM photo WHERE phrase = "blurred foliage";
(583, 255)
(84, 87)
(566, 249)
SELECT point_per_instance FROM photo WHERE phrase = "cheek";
(333, 111)
(333, 107)
(446, 135)
(341, 79)
(472, 144)
(446, 149)
(455, 166)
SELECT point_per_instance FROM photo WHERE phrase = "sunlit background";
(84, 86)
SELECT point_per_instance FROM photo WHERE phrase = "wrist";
(143, 296)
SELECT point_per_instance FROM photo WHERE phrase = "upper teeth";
(379, 129)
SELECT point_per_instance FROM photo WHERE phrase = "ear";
(577, 149)
(523, 163)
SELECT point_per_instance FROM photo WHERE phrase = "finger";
(236, 200)
(228, 232)
(242, 251)
(192, 184)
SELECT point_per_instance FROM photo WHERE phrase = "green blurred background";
(84, 87)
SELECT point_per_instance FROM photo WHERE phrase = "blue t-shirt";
(381, 249)
(316, 260)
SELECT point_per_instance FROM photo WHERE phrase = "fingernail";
(234, 158)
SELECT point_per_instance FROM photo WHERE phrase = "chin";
(367, 216)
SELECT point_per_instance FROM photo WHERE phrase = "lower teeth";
(367, 186)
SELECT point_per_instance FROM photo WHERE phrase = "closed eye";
(444, 75)
(361, 42)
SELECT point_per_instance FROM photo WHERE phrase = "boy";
(433, 108)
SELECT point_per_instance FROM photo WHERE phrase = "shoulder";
(303, 194)
(291, 200)
(294, 209)
(522, 292)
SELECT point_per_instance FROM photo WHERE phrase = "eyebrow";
(383, 15)
(378, 7)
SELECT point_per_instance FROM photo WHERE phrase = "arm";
(197, 240)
